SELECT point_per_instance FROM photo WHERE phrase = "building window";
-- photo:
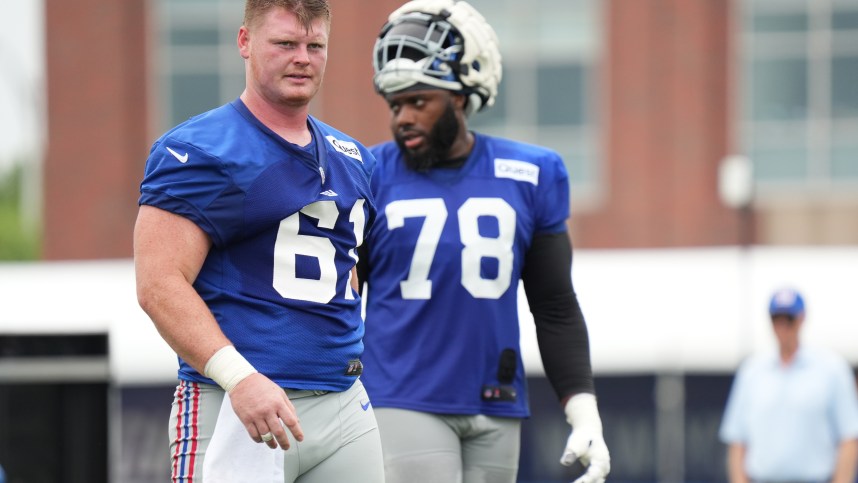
(198, 62)
(547, 95)
(800, 92)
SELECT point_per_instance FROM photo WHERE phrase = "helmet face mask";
(420, 35)
(417, 49)
(440, 44)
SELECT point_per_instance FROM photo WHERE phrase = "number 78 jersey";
(445, 257)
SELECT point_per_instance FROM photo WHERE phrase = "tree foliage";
(16, 241)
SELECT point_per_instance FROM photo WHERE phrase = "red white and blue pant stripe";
(185, 445)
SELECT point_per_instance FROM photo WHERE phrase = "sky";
(22, 95)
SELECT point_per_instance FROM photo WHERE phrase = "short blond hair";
(307, 11)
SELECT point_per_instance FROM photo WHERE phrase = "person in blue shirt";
(462, 218)
(792, 414)
(244, 248)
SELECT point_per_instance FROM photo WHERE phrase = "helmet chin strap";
(474, 103)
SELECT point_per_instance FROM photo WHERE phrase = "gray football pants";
(432, 448)
(341, 440)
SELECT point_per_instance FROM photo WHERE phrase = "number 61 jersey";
(284, 223)
(445, 257)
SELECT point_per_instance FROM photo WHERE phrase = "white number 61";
(290, 244)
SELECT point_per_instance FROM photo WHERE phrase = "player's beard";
(438, 142)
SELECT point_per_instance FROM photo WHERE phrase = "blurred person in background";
(792, 415)
(855, 375)
(463, 217)
(244, 255)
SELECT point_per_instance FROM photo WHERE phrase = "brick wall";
(666, 100)
(97, 119)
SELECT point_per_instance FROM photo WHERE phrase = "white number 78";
(476, 246)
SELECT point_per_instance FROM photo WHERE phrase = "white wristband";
(582, 412)
(227, 368)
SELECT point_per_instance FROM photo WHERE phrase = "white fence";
(648, 311)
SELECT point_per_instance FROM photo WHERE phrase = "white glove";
(586, 442)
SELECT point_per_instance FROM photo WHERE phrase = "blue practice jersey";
(284, 223)
(445, 260)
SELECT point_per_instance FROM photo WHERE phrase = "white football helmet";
(439, 43)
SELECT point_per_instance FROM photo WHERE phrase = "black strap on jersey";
(362, 266)
(561, 332)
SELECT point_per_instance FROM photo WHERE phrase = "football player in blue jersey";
(462, 217)
(245, 251)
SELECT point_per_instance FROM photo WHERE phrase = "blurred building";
(643, 98)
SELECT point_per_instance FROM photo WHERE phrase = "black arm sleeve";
(561, 332)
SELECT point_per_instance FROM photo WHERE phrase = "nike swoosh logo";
(365, 406)
(183, 158)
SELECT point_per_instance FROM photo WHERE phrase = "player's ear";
(243, 41)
